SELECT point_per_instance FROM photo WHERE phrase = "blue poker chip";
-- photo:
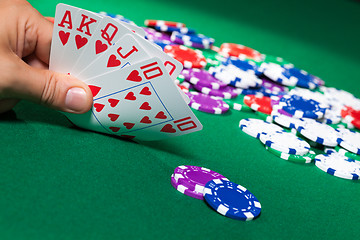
(170, 29)
(231, 200)
(303, 79)
(301, 107)
(243, 64)
(194, 38)
(162, 43)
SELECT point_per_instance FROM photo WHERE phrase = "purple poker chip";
(206, 103)
(154, 35)
(184, 190)
(225, 92)
(273, 86)
(275, 100)
(195, 178)
(202, 78)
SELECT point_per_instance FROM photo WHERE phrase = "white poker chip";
(284, 120)
(349, 140)
(318, 132)
(338, 165)
(285, 142)
(254, 127)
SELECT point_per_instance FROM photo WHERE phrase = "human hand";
(25, 41)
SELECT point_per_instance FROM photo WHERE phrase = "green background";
(59, 182)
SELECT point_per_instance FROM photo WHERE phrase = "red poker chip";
(259, 103)
(188, 57)
(239, 51)
(153, 23)
(351, 115)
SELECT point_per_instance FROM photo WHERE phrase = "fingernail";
(76, 99)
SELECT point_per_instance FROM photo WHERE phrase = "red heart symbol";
(128, 125)
(80, 41)
(113, 102)
(146, 120)
(134, 76)
(161, 115)
(64, 37)
(98, 107)
(130, 96)
(145, 106)
(94, 89)
(100, 47)
(168, 128)
(113, 61)
(114, 129)
(113, 117)
(145, 91)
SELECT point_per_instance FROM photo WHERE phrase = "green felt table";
(59, 182)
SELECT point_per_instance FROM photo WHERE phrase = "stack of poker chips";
(225, 197)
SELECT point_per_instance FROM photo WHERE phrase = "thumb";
(59, 91)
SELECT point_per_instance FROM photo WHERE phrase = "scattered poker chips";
(188, 57)
(206, 103)
(225, 197)
(238, 104)
(192, 40)
(338, 165)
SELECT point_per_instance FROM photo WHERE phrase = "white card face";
(63, 25)
(107, 34)
(140, 102)
(124, 53)
(84, 26)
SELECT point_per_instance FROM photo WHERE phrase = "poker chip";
(303, 79)
(338, 165)
(235, 77)
(225, 92)
(170, 29)
(194, 177)
(240, 51)
(241, 63)
(276, 60)
(306, 158)
(275, 73)
(351, 116)
(154, 35)
(238, 104)
(284, 120)
(259, 103)
(180, 78)
(349, 140)
(188, 57)
(284, 142)
(213, 58)
(318, 132)
(346, 153)
(192, 40)
(332, 116)
(206, 103)
(300, 107)
(341, 96)
(273, 87)
(202, 78)
(186, 190)
(254, 127)
(231, 200)
(153, 23)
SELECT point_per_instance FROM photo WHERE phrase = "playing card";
(63, 25)
(108, 33)
(139, 102)
(103, 38)
(124, 52)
